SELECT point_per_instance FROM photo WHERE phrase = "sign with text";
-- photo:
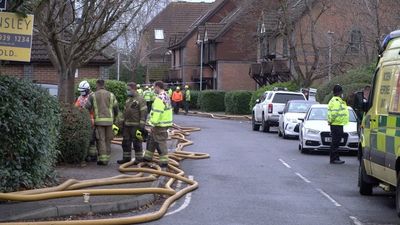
(3, 4)
(15, 37)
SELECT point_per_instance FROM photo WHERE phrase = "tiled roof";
(39, 54)
(175, 20)
(212, 30)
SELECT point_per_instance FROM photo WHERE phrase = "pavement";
(14, 211)
(259, 178)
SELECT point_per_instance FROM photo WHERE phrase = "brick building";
(176, 18)
(226, 33)
(345, 34)
(40, 70)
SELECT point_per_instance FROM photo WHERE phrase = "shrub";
(212, 101)
(29, 121)
(236, 102)
(75, 134)
(194, 99)
(118, 88)
(362, 75)
(290, 85)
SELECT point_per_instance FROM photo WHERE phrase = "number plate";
(329, 139)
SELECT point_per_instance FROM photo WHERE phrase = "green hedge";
(236, 102)
(212, 101)
(194, 99)
(75, 133)
(290, 85)
(29, 121)
(353, 79)
(118, 88)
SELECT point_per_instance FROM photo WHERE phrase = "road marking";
(303, 178)
(328, 197)
(178, 187)
(185, 204)
(285, 164)
(356, 221)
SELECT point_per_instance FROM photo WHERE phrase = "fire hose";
(220, 116)
(75, 188)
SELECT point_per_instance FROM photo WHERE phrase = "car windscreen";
(285, 97)
(299, 107)
(322, 114)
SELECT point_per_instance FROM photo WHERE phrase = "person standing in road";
(187, 99)
(160, 120)
(338, 116)
(134, 120)
(139, 90)
(105, 107)
(147, 95)
(85, 92)
(177, 99)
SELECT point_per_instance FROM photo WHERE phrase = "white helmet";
(83, 86)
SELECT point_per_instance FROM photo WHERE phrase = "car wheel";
(264, 125)
(302, 149)
(255, 126)
(365, 188)
(283, 132)
(279, 131)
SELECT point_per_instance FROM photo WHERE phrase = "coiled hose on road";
(220, 116)
(75, 188)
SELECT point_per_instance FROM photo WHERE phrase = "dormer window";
(205, 36)
(159, 34)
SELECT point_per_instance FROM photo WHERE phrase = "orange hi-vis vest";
(177, 96)
(81, 102)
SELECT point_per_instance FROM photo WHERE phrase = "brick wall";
(234, 76)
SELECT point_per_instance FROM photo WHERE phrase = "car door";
(282, 117)
(258, 111)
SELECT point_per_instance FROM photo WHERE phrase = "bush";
(290, 85)
(194, 99)
(348, 92)
(118, 88)
(362, 75)
(29, 121)
(212, 101)
(75, 134)
(236, 102)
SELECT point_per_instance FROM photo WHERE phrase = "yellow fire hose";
(220, 116)
(74, 188)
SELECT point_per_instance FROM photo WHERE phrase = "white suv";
(267, 108)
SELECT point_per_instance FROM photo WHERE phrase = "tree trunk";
(66, 89)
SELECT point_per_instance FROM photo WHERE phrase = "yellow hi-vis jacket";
(338, 114)
(161, 112)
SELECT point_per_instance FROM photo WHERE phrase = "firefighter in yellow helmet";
(160, 120)
(338, 116)
(105, 107)
(139, 89)
(187, 98)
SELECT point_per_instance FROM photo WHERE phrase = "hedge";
(290, 85)
(360, 76)
(236, 102)
(29, 121)
(194, 100)
(75, 133)
(212, 101)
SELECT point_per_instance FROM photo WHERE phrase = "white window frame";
(159, 34)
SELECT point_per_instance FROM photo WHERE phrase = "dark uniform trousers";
(337, 135)
(129, 137)
(104, 136)
(158, 141)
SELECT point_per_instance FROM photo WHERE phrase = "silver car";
(315, 131)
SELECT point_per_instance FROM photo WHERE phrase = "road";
(259, 178)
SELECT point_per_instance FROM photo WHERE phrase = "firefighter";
(105, 107)
(139, 90)
(134, 120)
(338, 116)
(160, 120)
(85, 92)
(147, 95)
(177, 99)
(187, 99)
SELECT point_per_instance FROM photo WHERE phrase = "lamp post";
(330, 36)
(118, 64)
(201, 42)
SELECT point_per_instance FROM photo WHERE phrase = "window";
(383, 90)
(395, 98)
(159, 34)
(284, 98)
(299, 107)
(355, 41)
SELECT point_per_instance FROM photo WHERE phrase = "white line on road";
(285, 164)
(356, 221)
(328, 197)
(303, 178)
(185, 204)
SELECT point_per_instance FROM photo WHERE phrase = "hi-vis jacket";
(161, 112)
(105, 107)
(338, 114)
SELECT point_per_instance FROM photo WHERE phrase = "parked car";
(289, 118)
(265, 112)
(315, 131)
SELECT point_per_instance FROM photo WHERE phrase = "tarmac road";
(259, 178)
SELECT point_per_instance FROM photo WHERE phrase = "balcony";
(270, 72)
(174, 75)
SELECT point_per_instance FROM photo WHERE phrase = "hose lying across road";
(75, 188)
(220, 116)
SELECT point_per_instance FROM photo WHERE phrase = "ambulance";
(379, 149)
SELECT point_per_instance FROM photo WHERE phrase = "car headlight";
(355, 133)
(290, 120)
(312, 131)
